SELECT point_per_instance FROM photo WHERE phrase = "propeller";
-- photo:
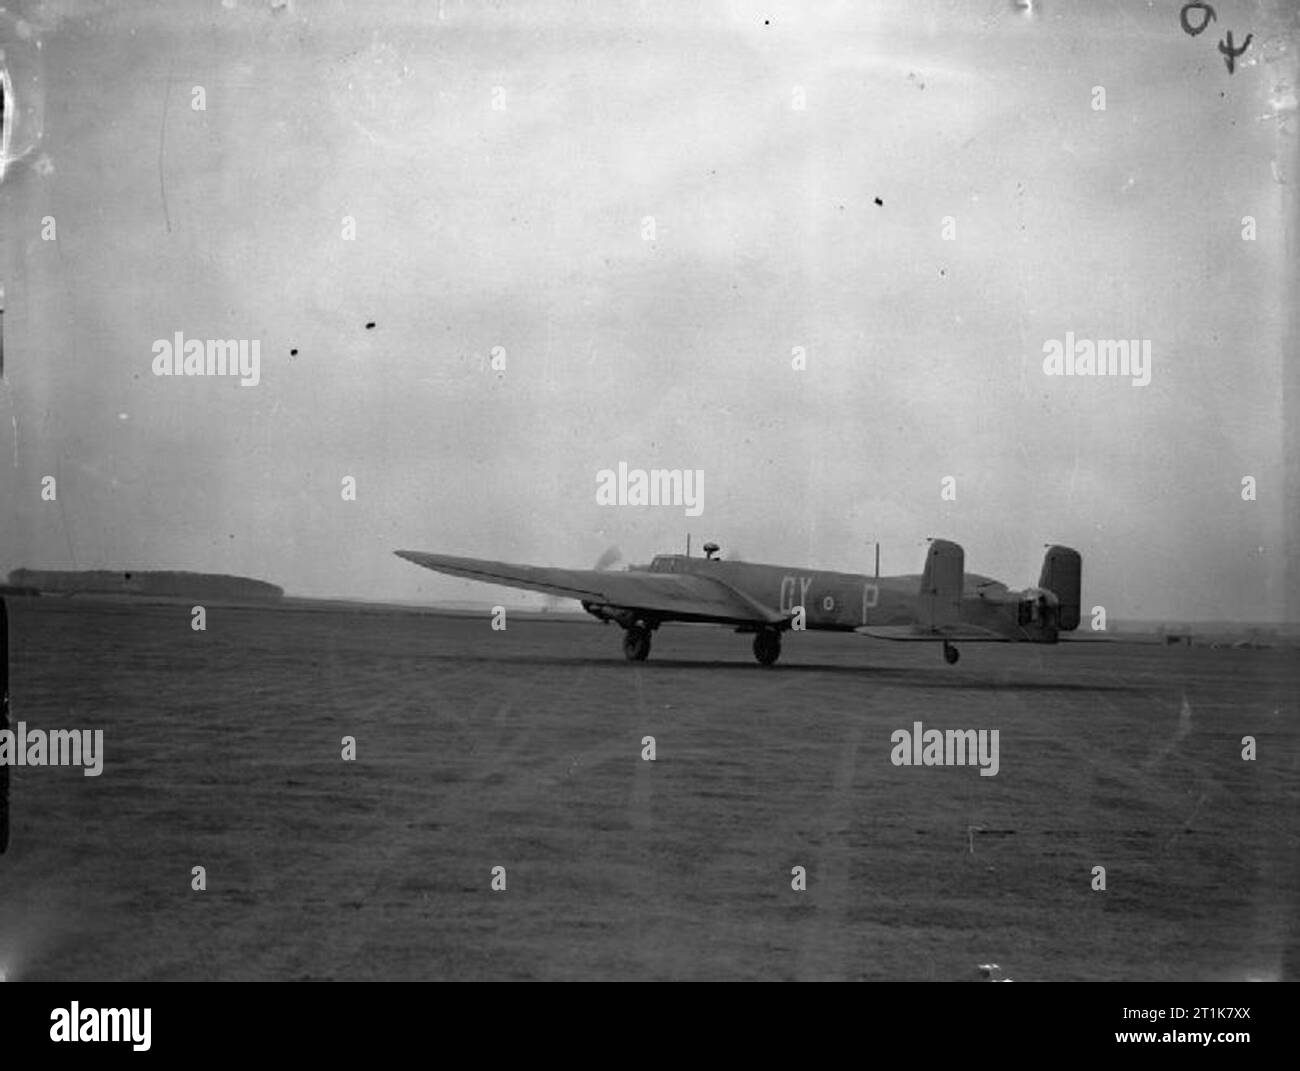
(611, 557)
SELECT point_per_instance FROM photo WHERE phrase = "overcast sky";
(521, 226)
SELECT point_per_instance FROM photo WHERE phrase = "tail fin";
(939, 600)
(1062, 571)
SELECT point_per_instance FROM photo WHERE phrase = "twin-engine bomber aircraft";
(943, 604)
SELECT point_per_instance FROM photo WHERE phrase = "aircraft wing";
(965, 633)
(685, 596)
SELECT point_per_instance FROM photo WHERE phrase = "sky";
(646, 209)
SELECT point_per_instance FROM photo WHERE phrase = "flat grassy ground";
(522, 749)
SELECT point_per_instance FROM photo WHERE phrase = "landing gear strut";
(767, 646)
(636, 643)
(950, 653)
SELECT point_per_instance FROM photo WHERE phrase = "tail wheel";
(636, 644)
(767, 646)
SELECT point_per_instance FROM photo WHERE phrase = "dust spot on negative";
(370, 325)
(293, 353)
(880, 202)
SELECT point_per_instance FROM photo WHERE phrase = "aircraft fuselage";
(834, 601)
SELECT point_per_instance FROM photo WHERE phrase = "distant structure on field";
(144, 582)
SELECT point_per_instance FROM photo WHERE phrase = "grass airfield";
(522, 749)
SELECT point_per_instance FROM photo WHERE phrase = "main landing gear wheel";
(767, 646)
(636, 644)
(950, 654)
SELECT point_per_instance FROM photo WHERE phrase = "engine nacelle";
(618, 614)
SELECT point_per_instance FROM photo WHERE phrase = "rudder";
(939, 600)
